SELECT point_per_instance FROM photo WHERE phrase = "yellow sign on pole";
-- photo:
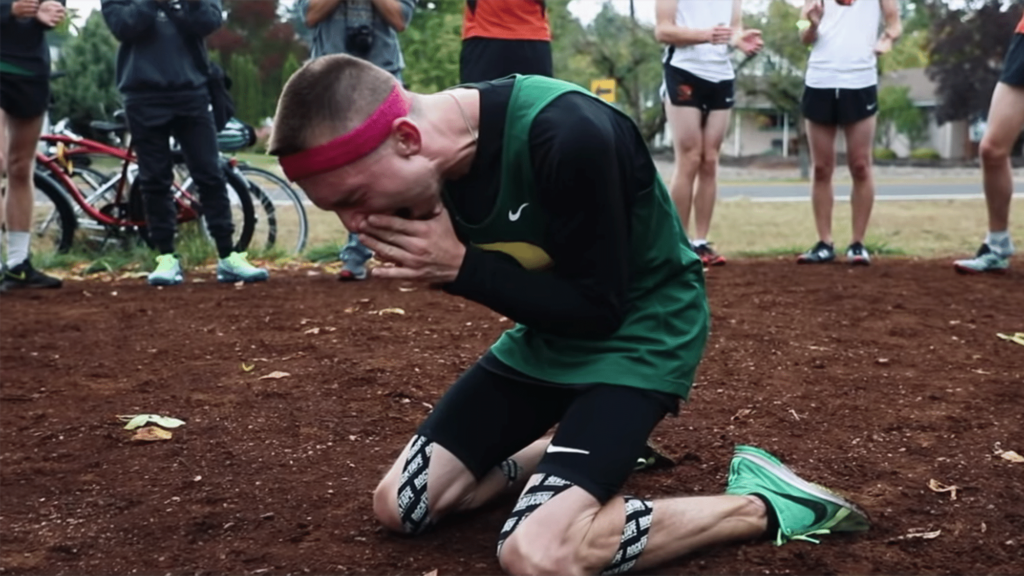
(604, 88)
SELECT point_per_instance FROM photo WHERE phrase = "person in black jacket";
(24, 95)
(165, 93)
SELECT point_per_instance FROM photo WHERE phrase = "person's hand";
(883, 45)
(25, 8)
(50, 13)
(720, 35)
(750, 41)
(420, 249)
(813, 10)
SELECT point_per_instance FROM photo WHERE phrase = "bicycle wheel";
(281, 213)
(53, 219)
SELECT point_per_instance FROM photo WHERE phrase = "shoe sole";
(233, 278)
(166, 282)
(809, 261)
(856, 521)
(971, 271)
(349, 276)
(859, 262)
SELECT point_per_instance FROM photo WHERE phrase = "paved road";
(892, 190)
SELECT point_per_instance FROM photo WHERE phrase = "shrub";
(884, 154)
(925, 154)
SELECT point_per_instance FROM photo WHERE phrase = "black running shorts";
(839, 106)
(484, 59)
(1013, 65)
(24, 96)
(683, 88)
(493, 411)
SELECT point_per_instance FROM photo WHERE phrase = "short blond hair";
(327, 97)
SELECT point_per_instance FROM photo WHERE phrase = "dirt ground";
(871, 381)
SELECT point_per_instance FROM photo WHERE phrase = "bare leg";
(19, 160)
(860, 138)
(822, 139)
(452, 487)
(707, 176)
(684, 121)
(574, 534)
(1005, 120)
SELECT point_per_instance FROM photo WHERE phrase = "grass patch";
(323, 252)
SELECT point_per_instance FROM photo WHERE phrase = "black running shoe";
(857, 255)
(820, 254)
(653, 458)
(25, 276)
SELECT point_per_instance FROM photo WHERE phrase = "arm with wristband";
(893, 27)
(810, 19)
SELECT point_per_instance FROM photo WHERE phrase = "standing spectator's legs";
(1005, 121)
(153, 153)
(688, 143)
(822, 140)
(860, 138)
(198, 139)
(707, 175)
(20, 138)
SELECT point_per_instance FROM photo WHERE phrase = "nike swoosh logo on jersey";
(552, 449)
(513, 216)
(872, 106)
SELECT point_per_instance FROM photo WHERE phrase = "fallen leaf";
(921, 535)
(312, 331)
(431, 573)
(136, 421)
(937, 486)
(1012, 456)
(165, 421)
(275, 375)
(741, 414)
(407, 289)
(247, 367)
(392, 311)
(151, 434)
(882, 361)
(1017, 338)
(349, 310)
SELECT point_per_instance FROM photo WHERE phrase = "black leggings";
(487, 416)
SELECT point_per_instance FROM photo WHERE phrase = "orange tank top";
(506, 19)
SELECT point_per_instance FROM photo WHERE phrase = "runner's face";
(381, 183)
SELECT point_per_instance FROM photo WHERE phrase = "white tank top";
(844, 56)
(708, 61)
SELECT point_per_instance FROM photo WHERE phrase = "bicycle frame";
(61, 166)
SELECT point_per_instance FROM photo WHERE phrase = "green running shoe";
(168, 271)
(236, 267)
(802, 509)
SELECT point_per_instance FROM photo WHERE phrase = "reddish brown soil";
(871, 381)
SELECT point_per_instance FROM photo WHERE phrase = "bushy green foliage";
(88, 91)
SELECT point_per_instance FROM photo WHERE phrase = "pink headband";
(350, 147)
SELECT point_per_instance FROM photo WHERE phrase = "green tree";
(431, 46)
(968, 45)
(246, 89)
(898, 114)
(618, 47)
(88, 91)
(911, 51)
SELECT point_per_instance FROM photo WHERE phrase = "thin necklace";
(473, 133)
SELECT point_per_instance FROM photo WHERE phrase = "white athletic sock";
(1000, 242)
(17, 247)
(698, 242)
